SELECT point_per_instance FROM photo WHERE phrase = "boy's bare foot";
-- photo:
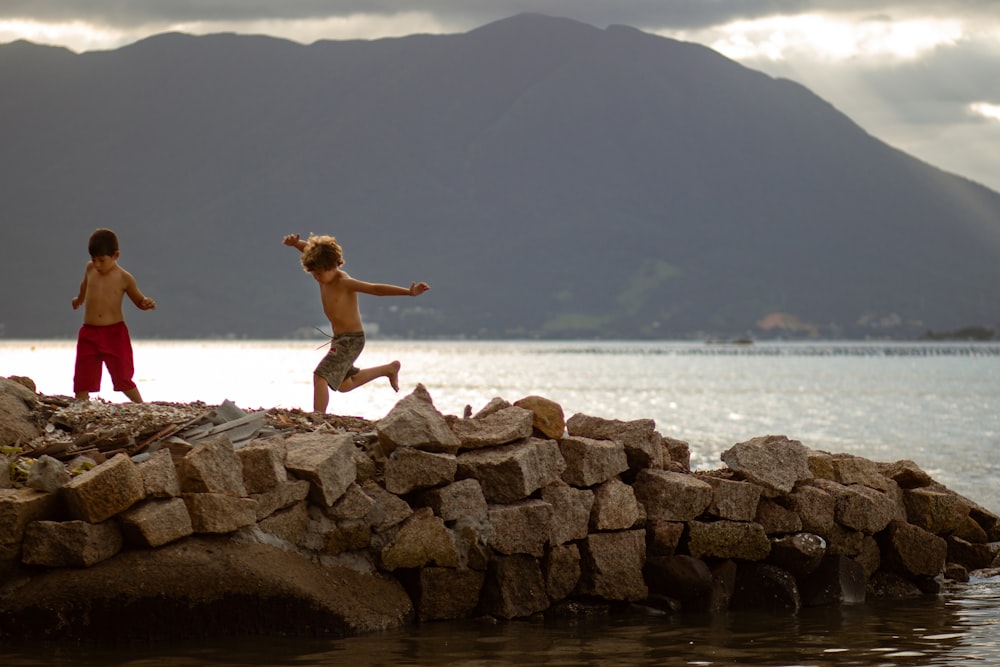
(394, 375)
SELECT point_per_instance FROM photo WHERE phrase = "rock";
(777, 519)
(422, 540)
(891, 586)
(47, 474)
(639, 437)
(514, 587)
(970, 531)
(463, 498)
(663, 537)
(859, 507)
(561, 568)
(671, 496)
(497, 428)
(590, 462)
(906, 473)
(104, 491)
(571, 509)
(409, 469)
(773, 462)
(728, 539)
(471, 536)
(911, 550)
(837, 580)
(442, 593)
(763, 587)
(844, 541)
(799, 554)
(213, 467)
(736, 501)
(16, 405)
(345, 536)
(521, 528)
(816, 509)
(414, 422)
(156, 522)
(849, 469)
(971, 556)
(19, 507)
(495, 404)
(988, 521)
(159, 476)
(678, 452)
(870, 557)
(547, 416)
(615, 507)
(683, 578)
(513, 472)
(218, 512)
(289, 524)
(355, 504)
(70, 543)
(202, 587)
(612, 565)
(935, 511)
(325, 460)
(387, 511)
(263, 464)
(282, 496)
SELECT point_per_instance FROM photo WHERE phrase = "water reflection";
(949, 629)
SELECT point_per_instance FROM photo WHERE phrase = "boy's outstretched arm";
(382, 289)
(294, 241)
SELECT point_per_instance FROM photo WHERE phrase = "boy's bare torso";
(105, 290)
(340, 301)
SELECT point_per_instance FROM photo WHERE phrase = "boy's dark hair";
(103, 243)
(321, 254)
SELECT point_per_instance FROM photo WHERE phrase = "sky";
(921, 75)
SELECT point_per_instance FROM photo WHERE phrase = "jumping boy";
(104, 338)
(322, 257)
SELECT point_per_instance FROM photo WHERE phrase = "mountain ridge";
(547, 177)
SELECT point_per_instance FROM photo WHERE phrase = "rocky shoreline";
(160, 521)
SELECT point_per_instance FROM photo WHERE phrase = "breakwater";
(296, 524)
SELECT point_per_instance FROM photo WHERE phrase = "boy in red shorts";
(103, 338)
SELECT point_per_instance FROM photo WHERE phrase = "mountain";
(546, 177)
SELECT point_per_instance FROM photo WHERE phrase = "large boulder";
(202, 587)
(643, 445)
(16, 405)
(415, 422)
(774, 462)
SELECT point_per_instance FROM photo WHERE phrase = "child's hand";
(147, 304)
(416, 289)
(291, 239)
(76, 302)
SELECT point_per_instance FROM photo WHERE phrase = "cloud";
(986, 110)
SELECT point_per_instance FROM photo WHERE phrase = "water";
(936, 404)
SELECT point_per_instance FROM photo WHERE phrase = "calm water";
(937, 404)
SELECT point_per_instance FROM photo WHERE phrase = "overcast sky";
(922, 75)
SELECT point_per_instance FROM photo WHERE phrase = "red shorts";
(109, 345)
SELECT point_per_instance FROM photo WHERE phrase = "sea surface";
(937, 404)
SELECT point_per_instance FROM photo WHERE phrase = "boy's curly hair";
(103, 243)
(321, 254)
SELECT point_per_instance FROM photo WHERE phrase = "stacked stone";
(515, 509)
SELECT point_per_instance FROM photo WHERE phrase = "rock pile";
(509, 512)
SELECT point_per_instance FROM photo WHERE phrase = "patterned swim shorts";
(338, 364)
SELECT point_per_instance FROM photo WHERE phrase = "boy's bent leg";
(366, 375)
(321, 393)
